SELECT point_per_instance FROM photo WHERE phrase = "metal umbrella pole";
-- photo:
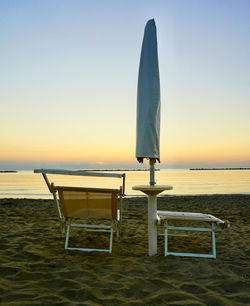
(152, 171)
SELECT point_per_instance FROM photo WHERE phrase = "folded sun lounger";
(166, 216)
(102, 207)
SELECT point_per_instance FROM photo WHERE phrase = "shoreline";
(49, 196)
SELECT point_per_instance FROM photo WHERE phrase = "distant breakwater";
(120, 170)
(198, 169)
(8, 171)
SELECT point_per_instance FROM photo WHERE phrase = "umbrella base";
(152, 191)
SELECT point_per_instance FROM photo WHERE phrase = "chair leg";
(63, 227)
(213, 241)
(116, 228)
(111, 240)
(166, 239)
(67, 237)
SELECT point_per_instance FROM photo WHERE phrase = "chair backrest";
(81, 202)
(97, 203)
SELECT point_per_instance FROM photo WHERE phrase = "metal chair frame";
(92, 228)
(67, 222)
(198, 229)
(175, 216)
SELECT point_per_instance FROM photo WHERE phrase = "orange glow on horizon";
(113, 150)
(109, 158)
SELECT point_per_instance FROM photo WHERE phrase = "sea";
(26, 184)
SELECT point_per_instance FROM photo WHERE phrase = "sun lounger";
(101, 206)
(167, 216)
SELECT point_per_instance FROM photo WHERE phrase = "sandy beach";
(36, 270)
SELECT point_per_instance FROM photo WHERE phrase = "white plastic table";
(152, 191)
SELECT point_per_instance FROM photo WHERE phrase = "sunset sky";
(68, 78)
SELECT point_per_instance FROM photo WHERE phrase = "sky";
(68, 82)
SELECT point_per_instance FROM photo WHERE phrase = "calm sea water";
(26, 184)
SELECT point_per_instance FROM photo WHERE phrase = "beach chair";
(102, 207)
(166, 216)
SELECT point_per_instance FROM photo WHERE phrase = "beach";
(36, 270)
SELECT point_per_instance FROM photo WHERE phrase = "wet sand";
(36, 270)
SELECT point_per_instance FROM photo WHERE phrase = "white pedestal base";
(152, 192)
(152, 229)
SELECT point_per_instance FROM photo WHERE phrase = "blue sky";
(69, 77)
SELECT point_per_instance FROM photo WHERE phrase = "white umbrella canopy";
(148, 101)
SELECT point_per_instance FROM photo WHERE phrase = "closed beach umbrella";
(148, 101)
(148, 125)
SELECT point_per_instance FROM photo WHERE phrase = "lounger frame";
(165, 216)
(200, 229)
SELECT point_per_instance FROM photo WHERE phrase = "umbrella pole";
(152, 171)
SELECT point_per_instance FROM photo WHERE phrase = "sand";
(36, 270)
